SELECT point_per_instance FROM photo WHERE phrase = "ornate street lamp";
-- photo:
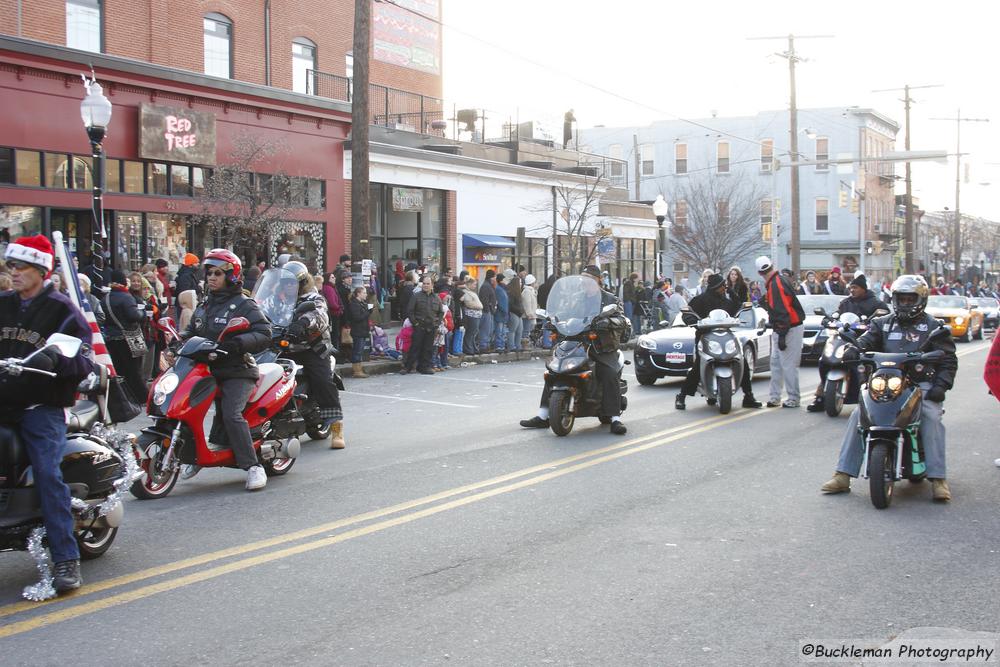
(95, 110)
(660, 210)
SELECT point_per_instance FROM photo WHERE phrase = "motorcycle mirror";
(67, 346)
(819, 310)
(664, 324)
(236, 325)
(541, 312)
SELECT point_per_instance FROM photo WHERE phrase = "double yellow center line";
(406, 512)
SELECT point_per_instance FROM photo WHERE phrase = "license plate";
(675, 356)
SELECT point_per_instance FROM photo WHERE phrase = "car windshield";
(986, 302)
(828, 302)
(939, 301)
(276, 292)
(573, 302)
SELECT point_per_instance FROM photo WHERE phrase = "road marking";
(609, 454)
(980, 348)
(414, 400)
(514, 384)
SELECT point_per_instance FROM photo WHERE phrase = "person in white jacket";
(529, 299)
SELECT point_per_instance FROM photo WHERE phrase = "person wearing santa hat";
(32, 404)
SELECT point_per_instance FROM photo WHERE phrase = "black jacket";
(120, 305)
(211, 317)
(888, 334)
(24, 330)
(706, 302)
(866, 305)
(425, 310)
(357, 318)
(187, 278)
(514, 304)
(488, 295)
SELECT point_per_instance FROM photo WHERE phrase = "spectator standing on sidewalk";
(515, 323)
(334, 306)
(472, 315)
(529, 299)
(187, 278)
(488, 297)
(503, 312)
(426, 312)
(357, 321)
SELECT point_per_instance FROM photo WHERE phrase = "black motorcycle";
(573, 313)
(94, 466)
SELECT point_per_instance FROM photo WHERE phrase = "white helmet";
(764, 264)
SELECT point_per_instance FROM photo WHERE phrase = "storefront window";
(166, 238)
(314, 193)
(157, 179)
(128, 241)
(6, 165)
(113, 175)
(82, 175)
(180, 180)
(18, 221)
(57, 171)
(304, 239)
(433, 214)
(198, 176)
(431, 256)
(29, 169)
(134, 179)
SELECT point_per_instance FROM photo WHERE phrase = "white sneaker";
(997, 463)
(256, 478)
(189, 470)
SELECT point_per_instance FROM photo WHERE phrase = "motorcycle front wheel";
(880, 474)
(155, 483)
(93, 543)
(833, 397)
(725, 395)
(560, 417)
(318, 432)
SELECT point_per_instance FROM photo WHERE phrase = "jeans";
(486, 332)
(500, 332)
(932, 435)
(43, 432)
(470, 344)
(785, 365)
(233, 396)
(357, 350)
(527, 328)
(515, 331)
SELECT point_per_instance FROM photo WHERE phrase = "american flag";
(76, 295)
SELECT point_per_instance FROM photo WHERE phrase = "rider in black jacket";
(714, 298)
(235, 370)
(908, 329)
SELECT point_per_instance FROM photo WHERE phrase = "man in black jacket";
(426, 312)
(187, 279)
(235, 370)
(33, 404)
(713, 298)
(908, 329)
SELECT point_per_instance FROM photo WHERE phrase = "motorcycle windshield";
(573, 302)
(276, 292)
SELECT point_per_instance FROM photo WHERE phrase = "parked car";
(670, 352)
(959, 313)
(814, 335)
(990, 308)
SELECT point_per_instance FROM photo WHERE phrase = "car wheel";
(979, 332)
(967, 338)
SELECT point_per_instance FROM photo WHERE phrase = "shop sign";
(407, 199)
(177, 135)
(487, 257)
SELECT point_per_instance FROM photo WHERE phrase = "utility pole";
(793, 130)
(360, 187)
(638, 160)
(908, 231)
(957, 232)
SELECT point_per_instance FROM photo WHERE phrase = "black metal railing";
(389, 107)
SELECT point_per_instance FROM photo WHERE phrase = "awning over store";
(486, 241)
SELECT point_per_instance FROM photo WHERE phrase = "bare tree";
(722, 223)
(239, 203)
(575, 225)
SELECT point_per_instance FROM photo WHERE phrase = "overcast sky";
(633, 61)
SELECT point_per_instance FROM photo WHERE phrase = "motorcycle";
(304, 419)
(720, 358)
(842, 382)
(179, 401)
(572, 313)
(890, 420)
(95, 466)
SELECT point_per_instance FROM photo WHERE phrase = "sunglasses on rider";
(214, 272)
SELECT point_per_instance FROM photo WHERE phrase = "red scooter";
(179, 401)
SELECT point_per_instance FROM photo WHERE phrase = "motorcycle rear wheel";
(93, 544)
(880, 482)
(153, 484)
(277, 467)
(833, 397)
(560, 418)
(725, 395)
(318, 432)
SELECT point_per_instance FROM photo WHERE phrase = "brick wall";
(171, 34)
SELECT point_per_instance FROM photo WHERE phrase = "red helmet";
(227, 261)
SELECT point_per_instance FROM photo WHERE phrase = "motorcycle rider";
(235, 370)
(33, 404)
(313, 327)
(611, 329)
(861, 302)
(714, 297)
(906, 330)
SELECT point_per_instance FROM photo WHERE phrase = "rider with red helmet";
(235, 370)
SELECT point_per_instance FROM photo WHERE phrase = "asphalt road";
(445, 534)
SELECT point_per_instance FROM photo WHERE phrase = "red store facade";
(153, 180)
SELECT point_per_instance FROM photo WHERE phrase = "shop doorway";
(76, 226)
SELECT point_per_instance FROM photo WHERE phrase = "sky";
(631, 62)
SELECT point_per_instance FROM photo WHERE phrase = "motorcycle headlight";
(164, 386)
(647, 343)
(895, 384)
(714, 347)
(885, 389)
(730, 347)
(840, 352)
(959, 320)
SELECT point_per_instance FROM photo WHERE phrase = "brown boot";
(357, 371)
(840, 482)
(337, 435)
(941, 491)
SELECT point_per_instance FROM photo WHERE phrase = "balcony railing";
(388, 107)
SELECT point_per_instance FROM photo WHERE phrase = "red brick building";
(276, 69)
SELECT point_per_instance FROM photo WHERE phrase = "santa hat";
(35, 250)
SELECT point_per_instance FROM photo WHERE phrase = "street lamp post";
(95, 110)
(660, 210)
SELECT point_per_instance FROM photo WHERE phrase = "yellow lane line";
(173, 584)
(333, 525)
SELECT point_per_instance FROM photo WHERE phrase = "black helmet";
(909, 309)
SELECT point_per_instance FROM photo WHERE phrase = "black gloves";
(231, 347)
(782, 345)
(851, 353)
(296, 330)
(935, 393)
(45, 360)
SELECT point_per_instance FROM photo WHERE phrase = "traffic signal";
(868, 247)
(842, 202)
